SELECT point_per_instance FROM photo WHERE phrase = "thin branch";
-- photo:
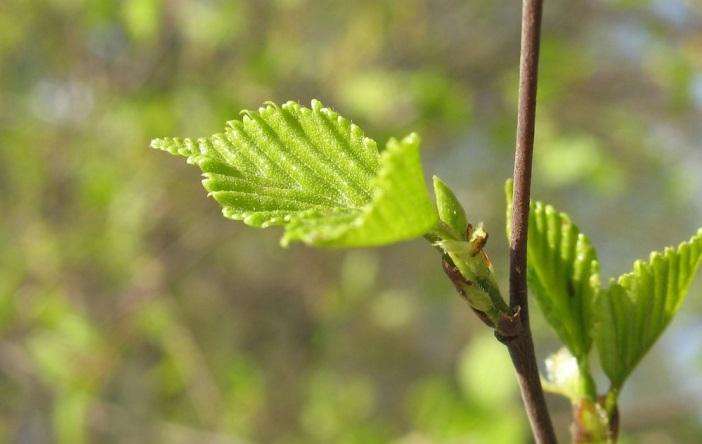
(528, 70)
(521, 347)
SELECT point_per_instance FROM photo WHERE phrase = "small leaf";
(451, 211)
(316, 174)
(636, 308)
(563, 274)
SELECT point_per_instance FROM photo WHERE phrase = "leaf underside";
(563, 274)
(315, 173)
(637, 307)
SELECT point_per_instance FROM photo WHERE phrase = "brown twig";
(521, 347)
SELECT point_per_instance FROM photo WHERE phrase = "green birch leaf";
(563, 273)
(637, 307)
(315, 173)
(451, 211)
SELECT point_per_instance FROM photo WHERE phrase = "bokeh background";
(131, 311)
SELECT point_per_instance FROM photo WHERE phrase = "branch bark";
(521, 346)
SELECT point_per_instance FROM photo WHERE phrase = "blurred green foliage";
(126, 317)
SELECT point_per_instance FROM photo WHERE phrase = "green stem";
(588, 388)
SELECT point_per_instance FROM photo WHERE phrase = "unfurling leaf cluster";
(622, 319)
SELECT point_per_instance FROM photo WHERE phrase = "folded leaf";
(633, 312)
(451, 211)
(316, 174)
(563, 273)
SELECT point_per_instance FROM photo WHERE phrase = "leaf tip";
(412, 139)
(284, 241)
(157, 143)
(173, 145)
(316, 105)
(168, 144)
(246, 114)
(655, 256)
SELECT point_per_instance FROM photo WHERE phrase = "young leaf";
(451, 211)
(563, 273)
(316, 174)
(633, 312)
